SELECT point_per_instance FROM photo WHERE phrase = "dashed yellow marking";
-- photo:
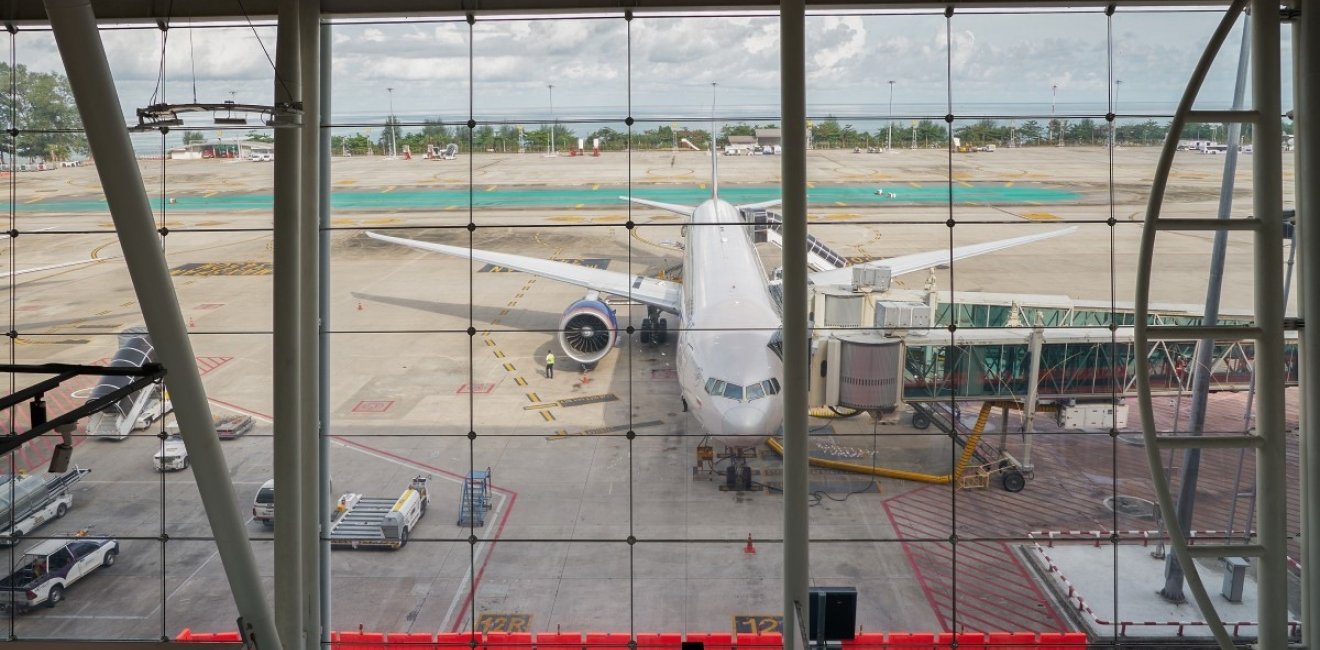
(499, 354)
(513, 303)
(520, 295)
(811, 184)
(914, 184)
(491, 188)
(1040, 216)
(347, 181)
(450, 208)
(547, 416)
(209, 194)
(388, 189)
(579, 206)
(701, 185)
(490, 343)
(533, 397)
(504, 312)
(520, 381)
(840, 203)
(509, 367)
(595, 186)
(496, 321)
(33, 200)
(1008, 184)
(1033, 202)
(964, 184)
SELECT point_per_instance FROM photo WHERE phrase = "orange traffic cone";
(191, 324)
(586, 378)
(749, 549)
(360, 306)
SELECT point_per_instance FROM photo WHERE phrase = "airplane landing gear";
(738, 474)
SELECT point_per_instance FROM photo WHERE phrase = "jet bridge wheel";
(920, 420)
(647, 330)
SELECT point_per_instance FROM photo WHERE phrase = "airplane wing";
(921, 261)
(661, 294)
(763, 205)
(667, 207)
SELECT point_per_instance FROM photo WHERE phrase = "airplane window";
(715, 387)
(772, 386)
(755, 391)
(733, 391)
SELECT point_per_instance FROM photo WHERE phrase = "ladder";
(475, 500)
(1269, 548)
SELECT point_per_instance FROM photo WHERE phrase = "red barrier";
(766, 640)
(713, 640)
(508, 641)
(1012, 640)
(911, 640)
(607, 641)
(866, 641)
(660, 641)
(409, 641)
(559, 640)
(1062, 640)
(457, 640)
(359, 641)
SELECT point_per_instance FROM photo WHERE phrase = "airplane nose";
(745, 422)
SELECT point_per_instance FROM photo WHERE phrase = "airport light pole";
(889, 136)
(1054, 96)
(551, 88)
(1113, 128)
(390, 126)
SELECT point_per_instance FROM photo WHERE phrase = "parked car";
(229, 427)
(47, 570)
(263, 505)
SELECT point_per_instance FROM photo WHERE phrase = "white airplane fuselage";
(728, 375)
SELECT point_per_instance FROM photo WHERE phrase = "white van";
(263, 505)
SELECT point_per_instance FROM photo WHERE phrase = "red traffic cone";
(191, 324)
(360, 306)
(749, 549)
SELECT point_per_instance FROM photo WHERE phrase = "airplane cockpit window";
(755, 391)
(733, 391)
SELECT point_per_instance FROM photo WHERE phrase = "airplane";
(729, 369)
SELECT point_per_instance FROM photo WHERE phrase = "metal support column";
(288, 393)
(309, 295)
(1267, 203)
(1306, 141)
(74, 26)
(792, 71)
(323, 350)
(1035, 343)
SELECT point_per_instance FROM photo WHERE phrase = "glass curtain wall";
(481, 177)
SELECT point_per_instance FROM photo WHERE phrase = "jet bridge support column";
(288, 353)
(309, 271)
(74, 26)
(1306, 92)
(792, 65)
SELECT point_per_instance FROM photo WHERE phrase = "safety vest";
(549, 358)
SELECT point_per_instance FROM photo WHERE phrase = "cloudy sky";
(1006, 64)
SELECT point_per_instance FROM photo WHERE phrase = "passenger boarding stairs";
(111, 423)
(1268, 440)
(475, 501)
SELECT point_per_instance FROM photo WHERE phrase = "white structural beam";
(288, 394)
(793, 169)
(79, 41)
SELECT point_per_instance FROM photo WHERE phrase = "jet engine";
(588, 330)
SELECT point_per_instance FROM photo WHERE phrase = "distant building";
(740, 144)
(223, 149)
(769, 137)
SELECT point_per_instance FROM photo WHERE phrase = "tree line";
(829, 133)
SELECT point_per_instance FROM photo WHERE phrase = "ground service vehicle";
(172, 455)
(385, 522)
(263, 505)
(30, 500)
(47, 570)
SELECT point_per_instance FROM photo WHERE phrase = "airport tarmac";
(408, 383)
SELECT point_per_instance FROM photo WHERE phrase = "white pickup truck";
(47, 570)
(172, 455)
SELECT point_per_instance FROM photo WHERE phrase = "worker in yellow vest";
(549, 365)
